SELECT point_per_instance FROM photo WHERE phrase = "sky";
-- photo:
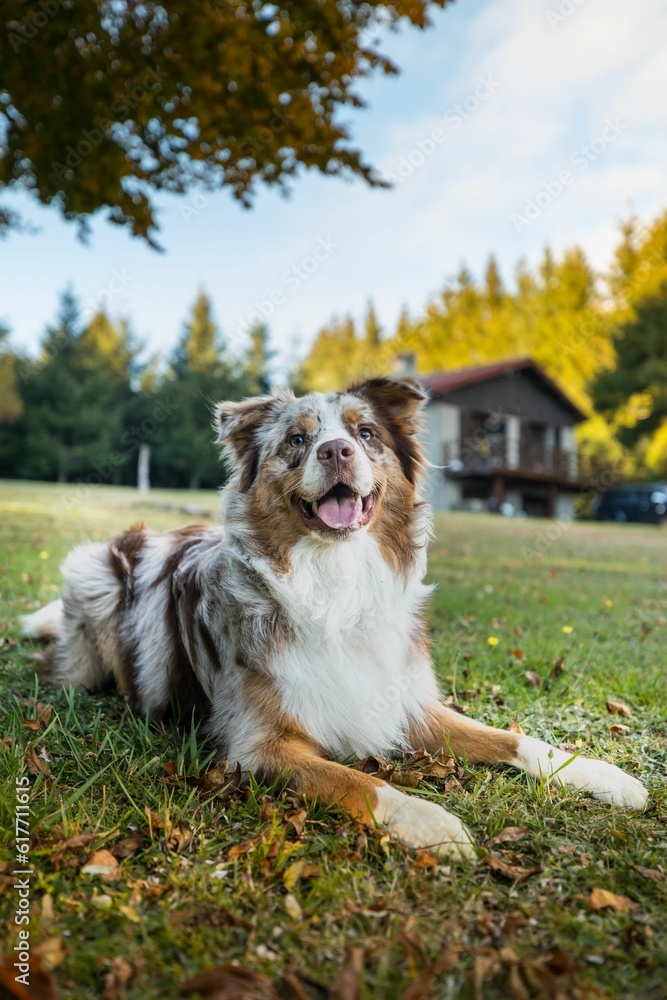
(513, 125)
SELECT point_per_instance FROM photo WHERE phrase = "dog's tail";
(44, 624)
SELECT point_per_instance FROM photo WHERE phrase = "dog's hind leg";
(45, 624)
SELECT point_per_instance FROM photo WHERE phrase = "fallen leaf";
(130, 913)
(238, 850)
(100, 863)
(231, 982)
(35, 765)
(514, 727)
(293, 906)
(80, 840)
(299, 870)
(117, 978)
(297, 820)
(619, 728)
(585, 859)
(420, 987)
(47, 908)
(223, 917)
(126, 848)
(425, 859)
(511, 834)
(558, 668)
(651, 873)
(439, 765)
(534, 678)
(121, 974)
(601, 899)
(33, 724)
(516, 872)
(51, 952)
(518, 654)
(348, 984)
(617, 708)
(42, 985)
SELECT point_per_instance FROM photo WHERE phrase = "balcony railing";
(494, 454)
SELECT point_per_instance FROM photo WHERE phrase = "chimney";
(405, 364)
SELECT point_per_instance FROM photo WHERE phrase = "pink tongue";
(339, 512)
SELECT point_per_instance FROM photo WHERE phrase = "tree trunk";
(143, 468)
(194, 481)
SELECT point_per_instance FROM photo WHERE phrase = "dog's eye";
(366, 433)
(296, 440)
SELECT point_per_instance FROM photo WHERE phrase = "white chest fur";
(353, 676)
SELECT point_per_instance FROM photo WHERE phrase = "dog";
(293, 631)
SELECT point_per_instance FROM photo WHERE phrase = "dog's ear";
(238, 427)
(397, 403)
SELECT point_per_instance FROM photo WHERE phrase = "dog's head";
(327, 463)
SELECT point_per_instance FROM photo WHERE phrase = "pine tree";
(199, 375)
(257, 362)
(372, 329)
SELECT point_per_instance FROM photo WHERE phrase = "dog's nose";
(337, 454)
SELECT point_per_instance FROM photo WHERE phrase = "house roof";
(442, 383)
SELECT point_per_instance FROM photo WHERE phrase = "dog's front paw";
(604, 781)
(422, 824)
(609, 783)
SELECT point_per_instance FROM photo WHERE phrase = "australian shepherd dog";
(294, 629)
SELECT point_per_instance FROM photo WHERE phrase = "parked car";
(645, 504)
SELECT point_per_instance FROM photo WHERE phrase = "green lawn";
(209, 876)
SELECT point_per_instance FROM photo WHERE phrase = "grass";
(180, 902)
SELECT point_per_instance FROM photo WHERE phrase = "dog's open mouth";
(340, 509)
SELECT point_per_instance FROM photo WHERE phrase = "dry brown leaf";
(102, 863)
(51, 952)
(42, 985)
(419, 988)
(231, 982)
(36, 765)
(601, 899)
(425, 859)
(238, 850)
(510, 835)
(620, 729)
(617, 708)
(651, 873)
(516, 872)
(348, 984)
(119, 974)
(179, 836)
(33, 724)
(518, 654)
(126, 848)
(585, 859)
(438, 765)
(80, 840)
(534, 678)
(558, 668)
(297, 819)
(293, 906)
(514, 727)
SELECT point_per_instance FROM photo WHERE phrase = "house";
(502, 434)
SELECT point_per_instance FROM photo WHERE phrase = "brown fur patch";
(463, 737)
(397, 404)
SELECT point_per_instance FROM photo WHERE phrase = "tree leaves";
(133, 100)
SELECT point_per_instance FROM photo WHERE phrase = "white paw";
(602, 780)
(422, 824)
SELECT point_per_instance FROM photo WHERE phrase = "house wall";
(442, 425)
(521, 394)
